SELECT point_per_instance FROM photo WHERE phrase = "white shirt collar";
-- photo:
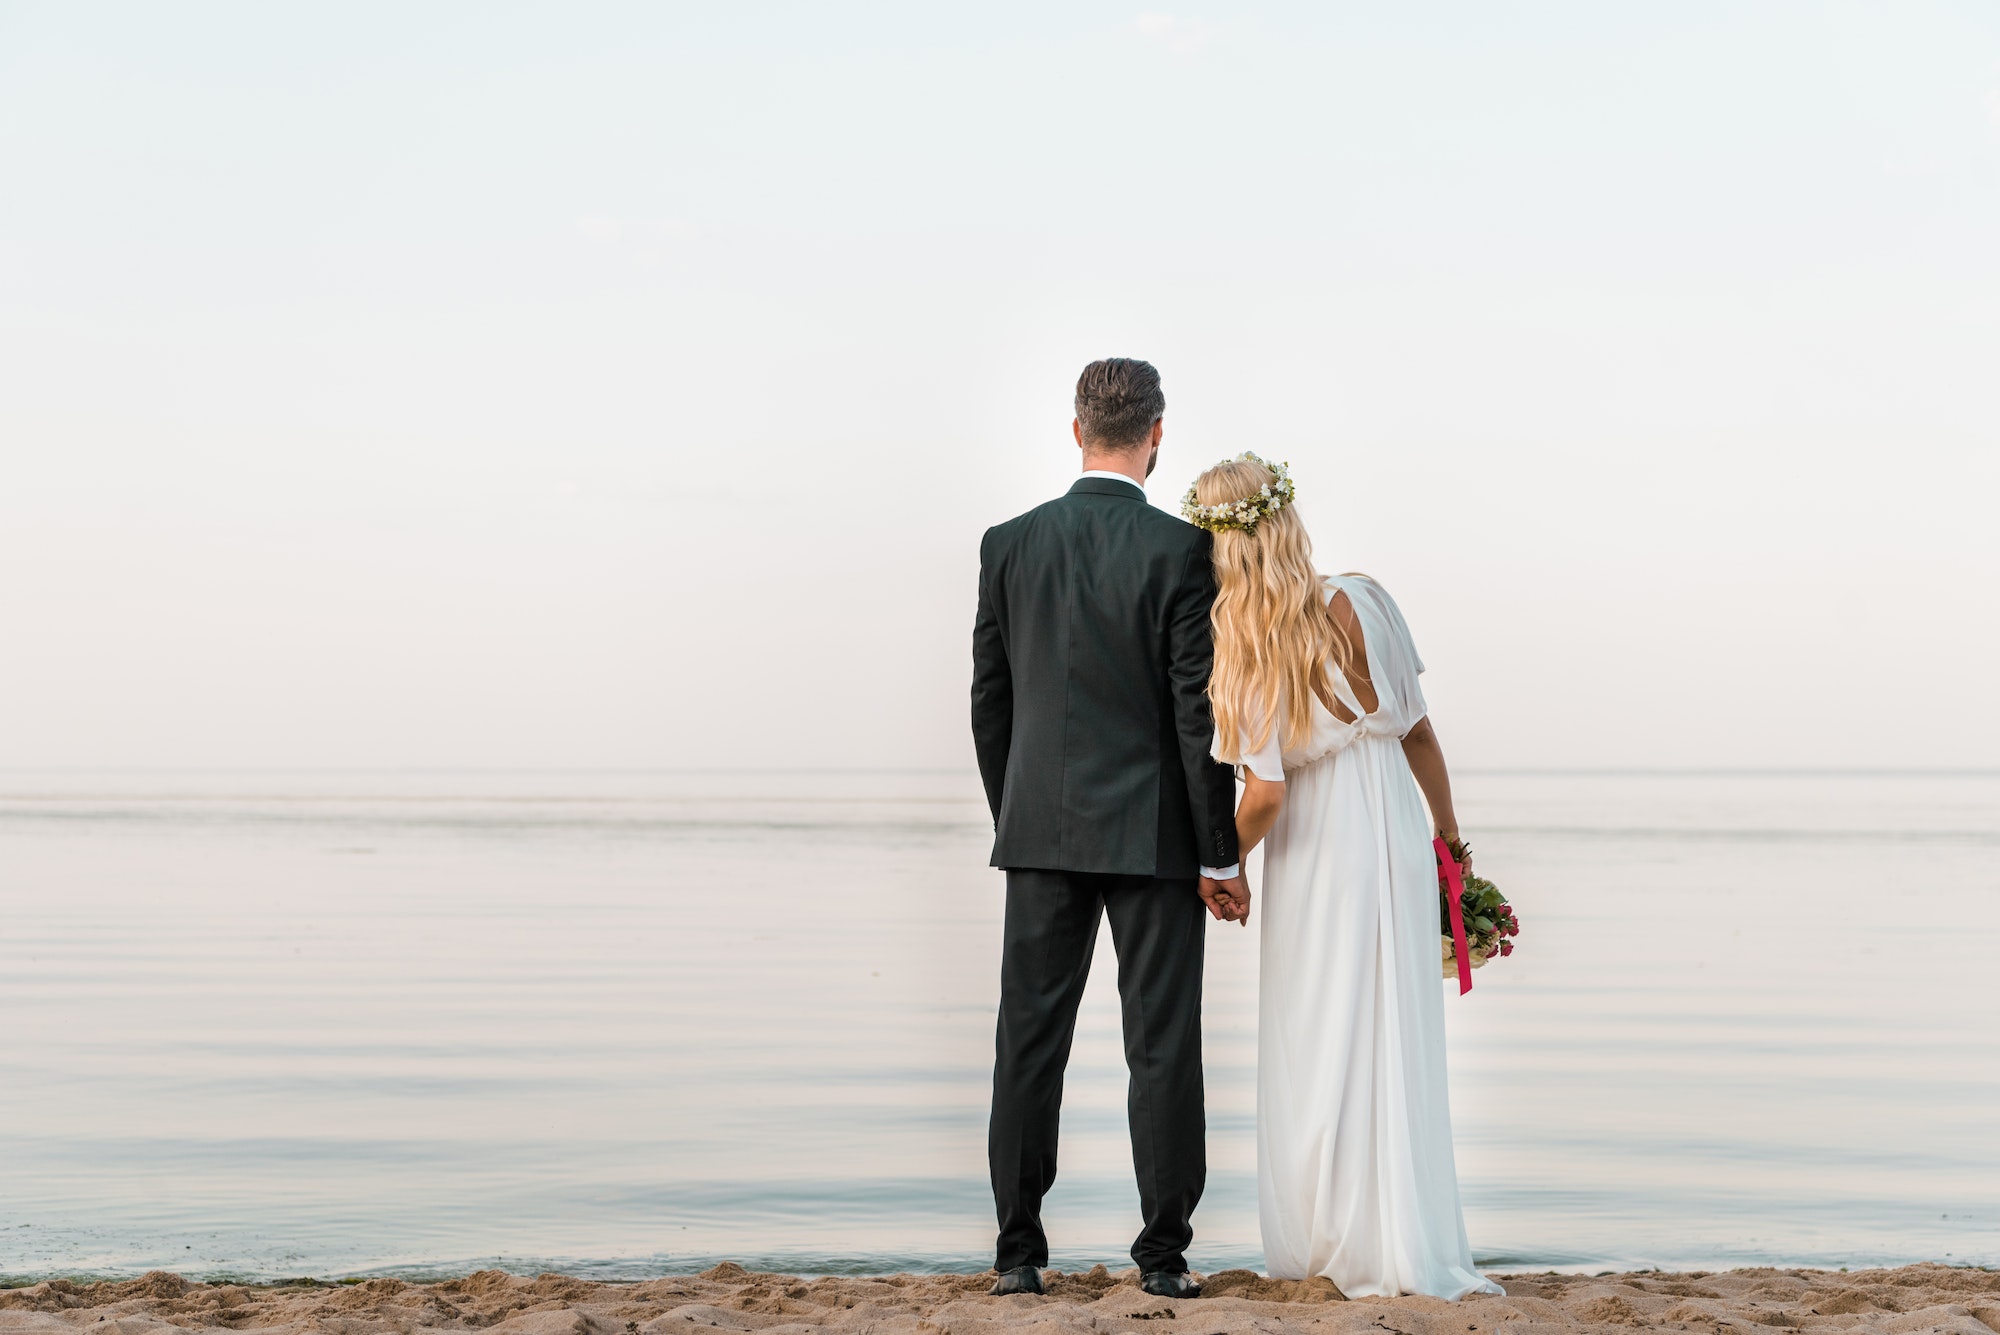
(1116, 477)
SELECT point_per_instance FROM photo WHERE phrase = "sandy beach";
(1922, 1298)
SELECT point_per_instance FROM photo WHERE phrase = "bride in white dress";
(1316, 702)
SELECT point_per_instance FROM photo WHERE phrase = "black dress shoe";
(1021, 1279)
(1170, 1284)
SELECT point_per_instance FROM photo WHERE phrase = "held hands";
(1228, 901)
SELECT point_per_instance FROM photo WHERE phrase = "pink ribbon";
(1456, 884)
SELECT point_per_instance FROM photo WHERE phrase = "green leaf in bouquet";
(1483, 924)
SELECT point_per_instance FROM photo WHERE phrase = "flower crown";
(1243, 514)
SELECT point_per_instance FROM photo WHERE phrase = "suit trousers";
(1159, 928)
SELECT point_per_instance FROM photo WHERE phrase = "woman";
(1316, 702)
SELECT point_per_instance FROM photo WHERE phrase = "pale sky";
(629, 385)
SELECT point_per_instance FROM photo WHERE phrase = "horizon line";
(1636, 771)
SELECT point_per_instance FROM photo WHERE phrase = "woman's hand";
(1461, 852)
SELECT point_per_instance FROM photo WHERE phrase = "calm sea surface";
(279, 1024)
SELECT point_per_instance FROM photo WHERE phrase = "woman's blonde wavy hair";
(1273, 633)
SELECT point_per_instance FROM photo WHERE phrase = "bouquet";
(1490, 921)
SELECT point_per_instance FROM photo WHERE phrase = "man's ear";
(1076, 429)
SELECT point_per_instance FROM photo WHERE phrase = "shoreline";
(1930, 1298)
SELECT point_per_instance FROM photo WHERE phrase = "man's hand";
(1228, 900)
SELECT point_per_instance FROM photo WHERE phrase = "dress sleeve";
(1392, 654)
(1267, 762)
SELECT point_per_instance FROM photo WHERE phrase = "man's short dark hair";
(1117, 401)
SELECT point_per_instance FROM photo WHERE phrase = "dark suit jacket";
(1090, 663)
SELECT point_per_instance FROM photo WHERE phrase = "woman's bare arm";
(1258, 811)
(1426, 759)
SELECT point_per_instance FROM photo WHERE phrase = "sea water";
(262, 1025)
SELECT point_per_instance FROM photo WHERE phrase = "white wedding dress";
(1355, 1178)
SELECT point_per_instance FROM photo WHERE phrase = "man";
(1091, 658)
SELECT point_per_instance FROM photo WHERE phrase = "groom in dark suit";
(1091, 659)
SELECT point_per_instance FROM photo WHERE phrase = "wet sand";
(1906, 1301)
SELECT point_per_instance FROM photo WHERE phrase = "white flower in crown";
(1244, 512)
